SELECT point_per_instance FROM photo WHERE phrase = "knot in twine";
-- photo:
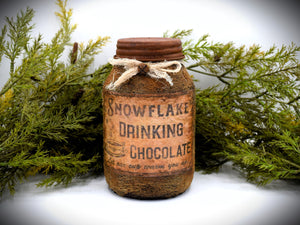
(134, 67)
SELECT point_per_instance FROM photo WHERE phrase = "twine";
(133, 67)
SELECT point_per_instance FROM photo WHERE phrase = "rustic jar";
(149, 120)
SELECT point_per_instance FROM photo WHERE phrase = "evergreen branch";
(240, 120)
(48, 124)
(212, 75)
(178, 33)
(69, 82)
(287, 69)
(2, 41)
(290, 163)
(18, 32)
(9, 85)
(208, 74)
(294, 100)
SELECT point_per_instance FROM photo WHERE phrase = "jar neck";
(133, 67)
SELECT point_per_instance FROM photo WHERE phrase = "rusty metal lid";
(149, 49)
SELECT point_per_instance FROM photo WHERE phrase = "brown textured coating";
(144, 187)
(141, 186)
(160, 165)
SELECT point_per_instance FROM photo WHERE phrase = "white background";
(223, 198)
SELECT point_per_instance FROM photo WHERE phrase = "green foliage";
(252, 117)
(48, 122)
(18, 33)
(51, 111)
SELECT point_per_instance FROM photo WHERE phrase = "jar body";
(149, 135)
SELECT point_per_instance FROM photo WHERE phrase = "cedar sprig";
(3, 33)
(252, 116)
(19, 34)
(50, 109)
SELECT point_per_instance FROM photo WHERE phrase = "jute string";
(133, 67)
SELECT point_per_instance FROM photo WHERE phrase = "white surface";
(214, 199)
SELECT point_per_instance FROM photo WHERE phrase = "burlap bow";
(133, 67)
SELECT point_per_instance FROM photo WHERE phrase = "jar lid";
(149, 49)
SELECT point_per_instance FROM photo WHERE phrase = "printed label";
(149, 134)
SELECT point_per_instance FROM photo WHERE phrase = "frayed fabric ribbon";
(133, 67)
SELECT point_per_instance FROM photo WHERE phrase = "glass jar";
(149, 120)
